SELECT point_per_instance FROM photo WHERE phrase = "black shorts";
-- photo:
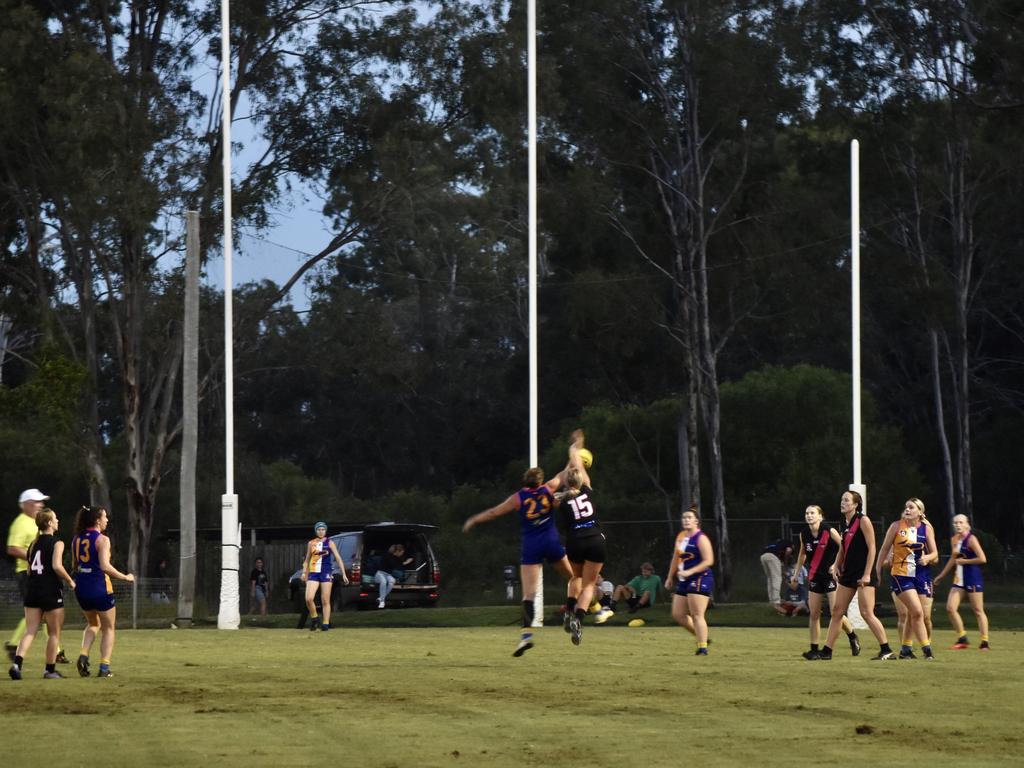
(822, 585)
(591, 549)
(45, 600)
(850, 580)
(22, 578)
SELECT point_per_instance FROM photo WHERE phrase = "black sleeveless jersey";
(855, 546)
(580, 515)
(42, 580)
(819, 554)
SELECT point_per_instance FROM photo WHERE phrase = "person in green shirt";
(20, 536)
(640, 591)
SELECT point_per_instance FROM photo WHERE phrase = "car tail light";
(355, 572)
(437, 574)
(363, 593)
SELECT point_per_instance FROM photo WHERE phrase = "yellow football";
(636, 623)
(586, 457)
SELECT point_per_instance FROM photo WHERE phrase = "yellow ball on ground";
(636, 623)
(586, 457)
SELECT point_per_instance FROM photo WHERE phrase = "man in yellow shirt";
(20, 536)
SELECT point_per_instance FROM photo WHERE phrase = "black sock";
(633, 602)
(606, 602)
(581, 614)
(826, 651)
(19, 660)
(527, 613)
(611, 605)
(570, 604)
(814, 646)
(851, 633)
(51, 667)
(884, 648)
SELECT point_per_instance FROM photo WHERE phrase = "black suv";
(418, 585)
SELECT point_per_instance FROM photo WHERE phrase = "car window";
(346, 544)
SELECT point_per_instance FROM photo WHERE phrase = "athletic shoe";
(314, 624)
(576, 628)
(701, 652)
(61, 658)
(324, 627)
(604, 615)
(884, 656)
(55, 675)
(523, 647)
(14, 672)
(958, 646)
(82, 665)
(567, 620)
(984, 646)
(929, 657)
(380, 603)
(811, 655)
(854, 644)
(907, 655)
(104, 673)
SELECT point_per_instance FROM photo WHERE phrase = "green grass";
(384, 696)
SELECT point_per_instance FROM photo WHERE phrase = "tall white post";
(531, 143)
(855, 300)
(853, 612)
(228, 615)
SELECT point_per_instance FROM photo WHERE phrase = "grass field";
(365, 695)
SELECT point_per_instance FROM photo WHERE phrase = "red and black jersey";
(819, 551)
(855, 546)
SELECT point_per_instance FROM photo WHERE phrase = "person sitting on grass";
(638, 593)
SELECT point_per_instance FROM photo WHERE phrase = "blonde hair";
(917, 503)
(816, 508)
(574, 481)
(44, 517)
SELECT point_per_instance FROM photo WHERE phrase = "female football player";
(44, 597)
(967, 557)
(535, 503)
(90, 551)
(854, 572)
(318, 573)
(908, 547)
(819, 544)
(584, 541)
(692, 558)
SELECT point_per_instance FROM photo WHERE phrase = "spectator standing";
(259, 588)
(773, 557)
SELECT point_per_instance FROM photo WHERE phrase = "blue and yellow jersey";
(89, 577)
(321, 559)
(967, 575)
(535, 510)
(688, 553)
(907, 548)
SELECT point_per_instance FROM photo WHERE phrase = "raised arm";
(511, 504)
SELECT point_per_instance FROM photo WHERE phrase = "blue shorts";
(972, 588)
(95, 602)
(537, 549)
(701, 584)
(328, 577)
(902, 584)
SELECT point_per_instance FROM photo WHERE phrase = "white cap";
(32, 494)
